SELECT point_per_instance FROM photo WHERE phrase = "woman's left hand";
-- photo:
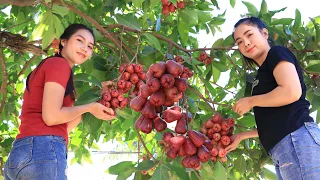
(242, 106)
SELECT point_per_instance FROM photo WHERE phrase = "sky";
(102, 161)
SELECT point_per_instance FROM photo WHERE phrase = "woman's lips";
(82, 55)
(251, 49)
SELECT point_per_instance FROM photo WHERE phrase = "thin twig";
(26, 65)
(196, 173)
(235, 66)
(221, 87)
(202, 97)
(3, 89)
(144, 145)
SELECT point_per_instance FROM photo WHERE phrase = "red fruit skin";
(216, 127)
(149, 110)
(124, 103)
(171, 93)
(139, 84)
(158, 69)
(203, 55)
(223, 159)
(120, 97)
(174, 68)
(172, 8)
(180, 5)
(225, 140)
(167, 80)
(214, 151)
(231, 122)
(216, 137)
(213, 158)
(194, 161)
(146, 125)
(128, 85)
(225, 126)
(144, 91)
(222, 152)
(166, 137)
(217, 118)
(208, 144)
(203, 154)
(122, 68)
(153, 85)
(101, 101)
(142, 76)
(137, 103)
(130, 69)
(121, 84)
(178, 59)
(181, 151)
(204, 130)
(158, 98)
(138, 68)
(181, 84)
(134, 78)
(170, 115)
(172, 153)
(159, 124)
(181, 126)
(114, 102)
(165, 2)
(177, 142)
(230, 132)
(186, 162)
(209, 124)
(107, 104)
(197, 138)
(106, 96)
(224, 133)
(189, 147)
(184, 75)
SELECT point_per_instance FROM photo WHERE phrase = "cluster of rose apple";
(168, 7)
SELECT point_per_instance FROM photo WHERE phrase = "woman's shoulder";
(55, 61)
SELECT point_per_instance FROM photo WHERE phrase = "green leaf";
(204, 16)
(215, 73)
(219, 171)
(314, 68)
(222, 67)
(153, 40)
(232, 3)
(125, 113)
(251, 8)
(87, 97)
(61, 10)
(217, 21)
(179, 170)
(137, 3)
(263, 8)
(297, 21)
(49, 32)
(183, 30)
(93, 123)
(315, 103)
(87, 78)
(58, 26)
(240, 164)
(41, 26)
(247, 121)
(128, 20)
(189, 17)
(145, 165)
(297, 45)
(161, 173)
(206, 171)
(121, 167)
(282, 21)
(317, 28)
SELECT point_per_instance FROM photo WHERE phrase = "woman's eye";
(239, 42)
(90, 47)
(80, 40)
(250, 35)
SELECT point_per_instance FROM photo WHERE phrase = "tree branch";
(97, 25)
(20, 2)
(26, 65)
(3, 89)
(144, 145)
(202, 97)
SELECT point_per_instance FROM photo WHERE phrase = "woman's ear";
(265, 33)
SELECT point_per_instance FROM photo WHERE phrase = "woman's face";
(252, 42)
(78, 48)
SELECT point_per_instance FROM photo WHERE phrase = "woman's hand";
(235, 141)
(102, 112)
(242, 106)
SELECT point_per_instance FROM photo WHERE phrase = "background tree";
(146, 32)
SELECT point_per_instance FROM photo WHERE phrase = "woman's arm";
(237, 138)
(53, 113)
(288, 90)
(72, 124)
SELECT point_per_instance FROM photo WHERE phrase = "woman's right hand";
(101, 112)
(235, 141)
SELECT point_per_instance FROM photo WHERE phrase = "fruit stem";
(144, 145)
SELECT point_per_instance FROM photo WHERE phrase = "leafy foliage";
(136, 31)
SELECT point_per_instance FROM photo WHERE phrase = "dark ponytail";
(68, 32)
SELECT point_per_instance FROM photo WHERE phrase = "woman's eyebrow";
(243, 34)
(83, 38)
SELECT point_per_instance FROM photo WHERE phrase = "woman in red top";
(48, 114)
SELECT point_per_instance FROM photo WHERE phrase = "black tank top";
(274, 123)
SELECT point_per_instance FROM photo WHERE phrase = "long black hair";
(68, 32)
(253, 21)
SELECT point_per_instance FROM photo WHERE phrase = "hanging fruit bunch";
(163, 88)
(169, 7)
(205, 58)
(218, 131)
(114, 94)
